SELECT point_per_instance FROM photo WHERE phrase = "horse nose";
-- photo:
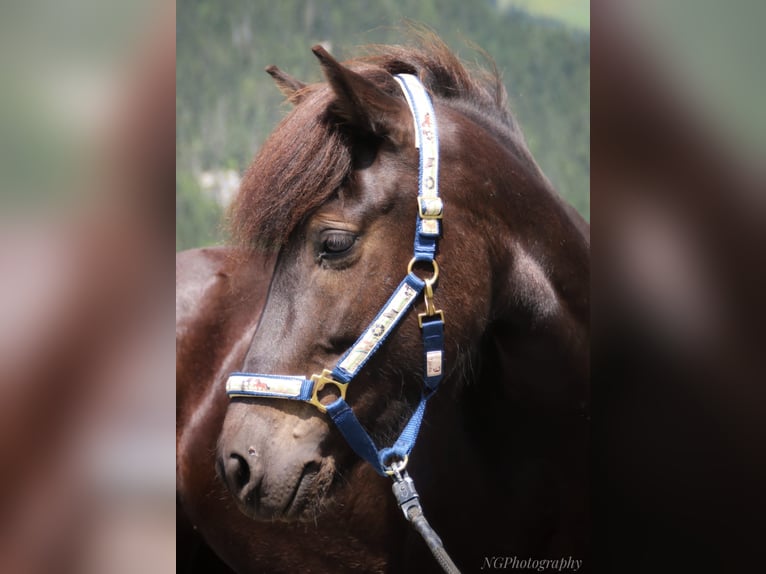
(242, 475)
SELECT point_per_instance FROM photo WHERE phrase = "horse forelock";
(309, 155)
(298, 168)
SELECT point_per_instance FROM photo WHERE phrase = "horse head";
(334, 190)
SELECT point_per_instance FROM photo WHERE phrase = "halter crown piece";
(391, 460)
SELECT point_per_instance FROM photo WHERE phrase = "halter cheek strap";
(390, 460)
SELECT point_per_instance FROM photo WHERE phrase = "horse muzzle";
(274, 469)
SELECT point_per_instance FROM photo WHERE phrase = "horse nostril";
(237, 472)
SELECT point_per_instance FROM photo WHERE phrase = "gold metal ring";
(431, 280)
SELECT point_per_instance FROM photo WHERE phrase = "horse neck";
(510, 198)
(534, 355)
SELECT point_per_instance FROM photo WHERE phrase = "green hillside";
(226, 104)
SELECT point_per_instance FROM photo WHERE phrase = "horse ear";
(361, 104)
(288, 85)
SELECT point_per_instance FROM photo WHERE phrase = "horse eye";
(337, 242)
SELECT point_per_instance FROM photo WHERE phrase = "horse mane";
(304, 162)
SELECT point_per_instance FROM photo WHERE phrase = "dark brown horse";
(325, 226)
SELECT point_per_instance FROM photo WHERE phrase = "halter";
(391, 460)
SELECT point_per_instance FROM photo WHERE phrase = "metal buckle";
(430, 207)
(319, 383)
(422, 316)
(428, 296)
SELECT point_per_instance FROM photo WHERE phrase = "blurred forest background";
(226, 105)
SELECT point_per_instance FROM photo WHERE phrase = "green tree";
(227, 106)
(198, 217)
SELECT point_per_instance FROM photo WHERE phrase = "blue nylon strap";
(380, 328)
(354, 433)
(403, 445)
(433, 350)
(359, 440)
(425, 247)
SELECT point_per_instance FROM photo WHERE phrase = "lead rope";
(408, 500)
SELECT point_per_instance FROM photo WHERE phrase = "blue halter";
(391, 460)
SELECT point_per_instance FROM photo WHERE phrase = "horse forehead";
(391, 173)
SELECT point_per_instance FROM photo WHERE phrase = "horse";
(322, 230)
